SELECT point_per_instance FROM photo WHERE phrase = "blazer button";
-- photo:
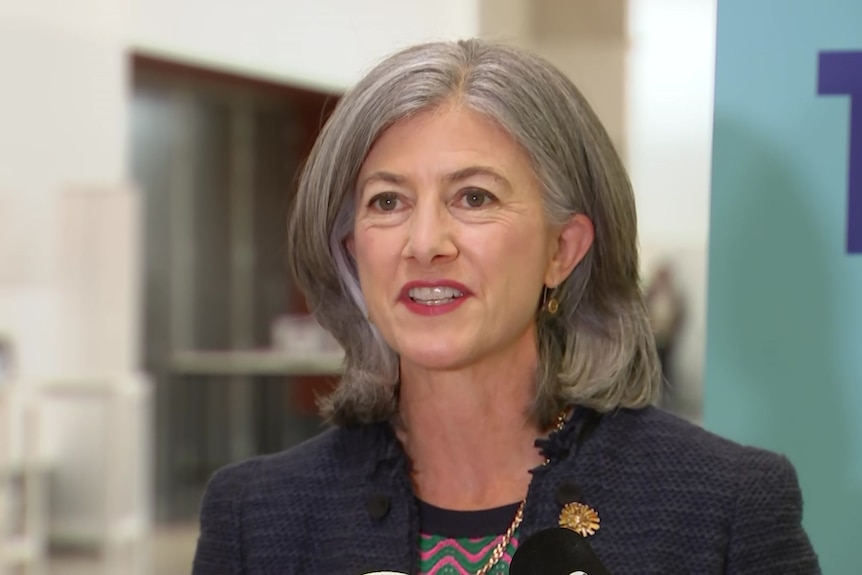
(377, 506)
(568, 493)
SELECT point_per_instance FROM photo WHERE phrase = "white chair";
(22, 485)
(100, 475)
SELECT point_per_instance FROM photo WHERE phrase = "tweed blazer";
(672, 498)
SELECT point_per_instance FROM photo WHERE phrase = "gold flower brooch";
(580, 518)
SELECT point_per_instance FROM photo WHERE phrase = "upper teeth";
(433, 293)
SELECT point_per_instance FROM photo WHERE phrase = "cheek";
(373, 261)
(366, 252)
(516, 252)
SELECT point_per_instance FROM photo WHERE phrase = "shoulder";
(655, 438)
(337, 452)
(251, 505)
(309, 458)
(745, 498)
(680, 468)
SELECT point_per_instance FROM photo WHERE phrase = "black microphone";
(556, 551)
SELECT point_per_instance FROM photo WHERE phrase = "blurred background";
(149, 332)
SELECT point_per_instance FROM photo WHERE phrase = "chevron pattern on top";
(464, 556)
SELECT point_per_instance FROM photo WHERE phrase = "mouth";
(436, 295)
(431, 294)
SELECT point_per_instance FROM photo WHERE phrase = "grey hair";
(598, 349)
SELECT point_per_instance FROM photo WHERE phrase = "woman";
(466, 231)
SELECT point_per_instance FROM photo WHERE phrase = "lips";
(437, 295)
(433, 293)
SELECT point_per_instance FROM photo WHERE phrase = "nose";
(431, 234)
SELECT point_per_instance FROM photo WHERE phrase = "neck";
(469, 435)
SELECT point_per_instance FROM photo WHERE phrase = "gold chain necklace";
(500, 548)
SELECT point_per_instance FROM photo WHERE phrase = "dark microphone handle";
(556, 551)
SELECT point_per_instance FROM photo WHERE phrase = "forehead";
(450, 137)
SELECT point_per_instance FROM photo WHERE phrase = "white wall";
(63, 97)
(63, 118)
(68, 234)
(669, 124)
(322, 43)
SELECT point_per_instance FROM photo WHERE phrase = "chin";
(442, 359)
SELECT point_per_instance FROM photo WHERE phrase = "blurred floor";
(171, 548)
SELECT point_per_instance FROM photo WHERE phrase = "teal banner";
(784, 335)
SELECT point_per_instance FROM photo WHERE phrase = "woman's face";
(451, 241)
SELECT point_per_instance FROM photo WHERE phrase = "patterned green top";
(440, 555)
(462, 542)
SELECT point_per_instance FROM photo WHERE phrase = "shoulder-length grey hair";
(598, 349)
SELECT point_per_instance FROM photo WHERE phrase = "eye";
(475, 198)
(385, 202)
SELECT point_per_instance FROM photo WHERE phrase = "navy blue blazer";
(672, 498)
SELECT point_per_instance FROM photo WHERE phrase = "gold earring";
(549, 302)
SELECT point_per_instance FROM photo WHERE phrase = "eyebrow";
(454, 177)
(381, 176)
(469, 172)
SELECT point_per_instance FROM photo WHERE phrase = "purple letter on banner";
(841, 73)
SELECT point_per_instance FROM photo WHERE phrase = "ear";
(570, 243)
(350, 244)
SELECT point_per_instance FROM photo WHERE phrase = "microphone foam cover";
(555, 551)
